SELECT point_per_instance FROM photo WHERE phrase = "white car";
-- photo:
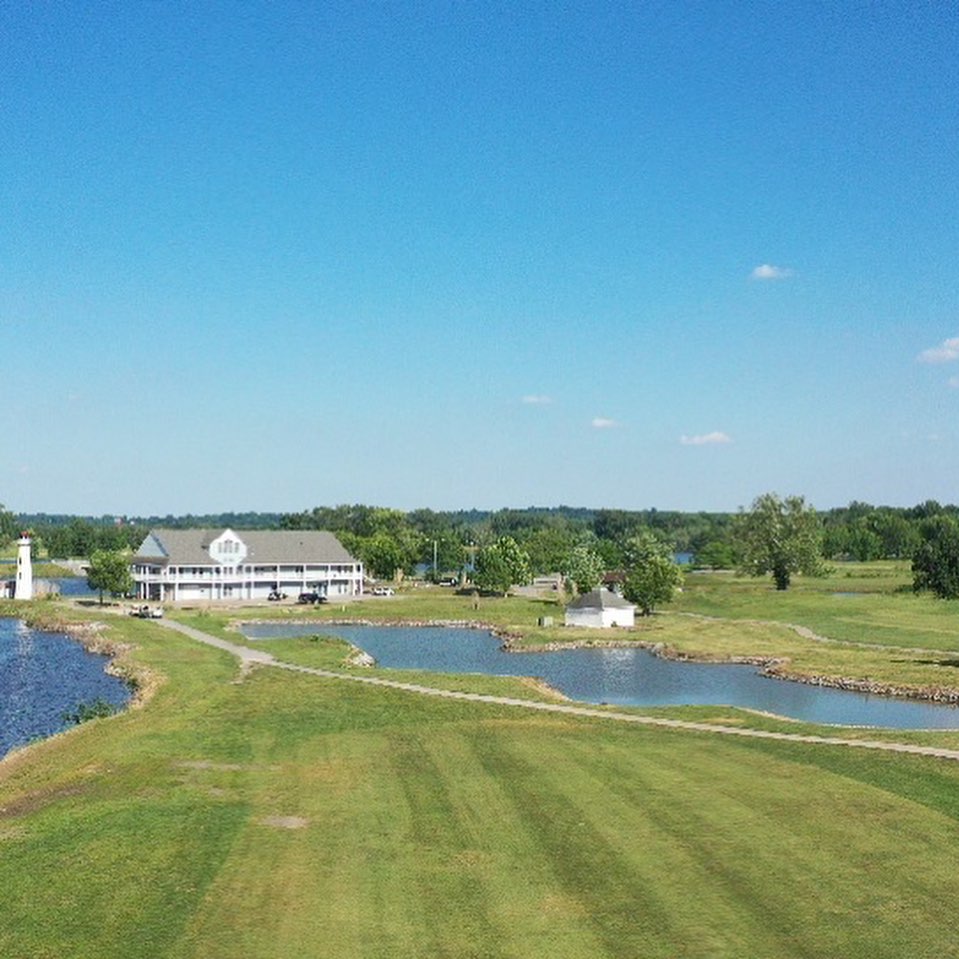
(147, 612)
(382, 591)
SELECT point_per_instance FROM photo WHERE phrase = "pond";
(624, 677)
(42, 676)
(74, 586)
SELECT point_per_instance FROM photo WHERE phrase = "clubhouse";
(220, 564)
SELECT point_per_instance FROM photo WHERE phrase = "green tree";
(835, 541)
(583, 569)
(863, 544)
(517, 559)
(652, 575)
(716, 554)
(502, 564)
(380, 537)
(8, 527)
(900, 538)
(615, 525)
(781, 537)
(82, 539)
(492, 572)
(935, 565)
(109, 572)
(383, 555)
(36, 545)
(548, 548)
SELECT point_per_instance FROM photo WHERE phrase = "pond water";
(43, 675)
(73, 586)
(624, 677)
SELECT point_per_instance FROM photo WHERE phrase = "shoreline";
(140, 680)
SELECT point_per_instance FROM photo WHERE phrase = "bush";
(97, 709)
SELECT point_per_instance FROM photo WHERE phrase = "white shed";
(600, 609)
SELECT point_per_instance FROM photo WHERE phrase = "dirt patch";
(32, 802)
(285, 822)
(471, 859)
(209, 764)
(559, 905)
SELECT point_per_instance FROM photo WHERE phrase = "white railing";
(212, 576)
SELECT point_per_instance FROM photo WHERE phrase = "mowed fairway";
(293, 816)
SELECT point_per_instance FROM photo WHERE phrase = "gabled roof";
(600, 599)
(190, 547)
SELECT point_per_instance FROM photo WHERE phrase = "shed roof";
(601, 598)
(189, 547)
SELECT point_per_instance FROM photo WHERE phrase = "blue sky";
(673, 255)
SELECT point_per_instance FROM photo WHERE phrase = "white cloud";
(706, 439)
(534, 400)
(945, 352)
(767, 271)
(603, 423)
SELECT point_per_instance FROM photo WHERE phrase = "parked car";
(147, 612)
(307, 598)
(382, 591)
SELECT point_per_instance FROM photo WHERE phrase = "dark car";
(306, 598)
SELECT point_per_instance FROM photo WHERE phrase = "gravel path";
(250, 657)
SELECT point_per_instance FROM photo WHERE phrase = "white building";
(211, 564)
(599, 609)
(22, 587)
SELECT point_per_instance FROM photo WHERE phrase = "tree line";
(858, 531)
(565, 539)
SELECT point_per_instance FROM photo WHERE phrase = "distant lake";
(73, 586)
(42, 676)
(65, 585)
(624, 676)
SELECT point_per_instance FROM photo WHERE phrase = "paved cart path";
(249, 657)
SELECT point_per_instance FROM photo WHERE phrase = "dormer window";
(228, 549)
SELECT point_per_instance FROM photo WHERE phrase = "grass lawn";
(424, 604)
(291, 816)
(860, 603)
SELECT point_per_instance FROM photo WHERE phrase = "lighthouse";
(23, 589)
